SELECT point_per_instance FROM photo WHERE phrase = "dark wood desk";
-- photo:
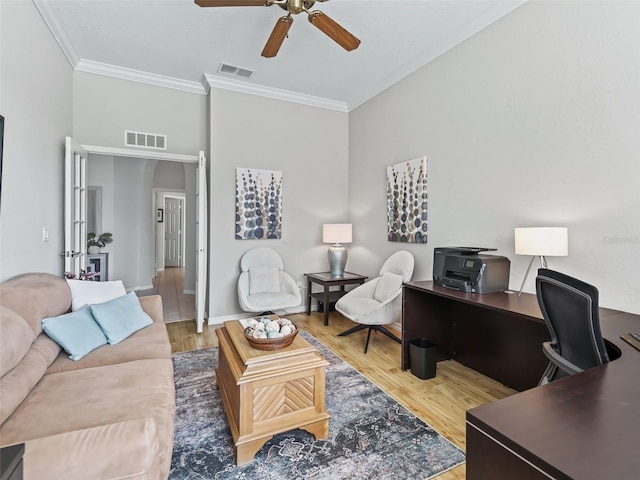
(497, 334)
(328, 296)
(583, 427)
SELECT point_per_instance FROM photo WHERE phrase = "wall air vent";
(146, 140)
(235, 71)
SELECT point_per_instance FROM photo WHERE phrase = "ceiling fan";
(319, 19)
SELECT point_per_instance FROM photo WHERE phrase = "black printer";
(468, 270)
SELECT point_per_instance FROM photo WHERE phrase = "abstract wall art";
(407, 201)
(258, 204)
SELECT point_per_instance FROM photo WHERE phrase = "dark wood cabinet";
(11, 466)
(98, 263)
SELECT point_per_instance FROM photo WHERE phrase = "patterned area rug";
(370, 435)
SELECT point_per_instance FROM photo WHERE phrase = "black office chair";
(570, 310)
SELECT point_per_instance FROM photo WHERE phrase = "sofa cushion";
(17, 338)
(152, 304)
(148, 343)
(17, 384)
(91, 397)
(77, 332)
(85, 292)
(263, 279)
(120, 317)
(388, 284)
(96, 452)
(35, 296)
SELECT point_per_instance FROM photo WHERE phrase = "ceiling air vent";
(146, 140)
(235, 71)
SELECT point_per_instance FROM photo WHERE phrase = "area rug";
(371, 436)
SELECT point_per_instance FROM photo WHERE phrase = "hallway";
(169, 284)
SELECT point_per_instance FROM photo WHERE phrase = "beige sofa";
(108, 415)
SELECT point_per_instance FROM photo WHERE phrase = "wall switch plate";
(45, 234)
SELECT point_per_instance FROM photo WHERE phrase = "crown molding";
(275, 93)
(51, 19)
(139, 76)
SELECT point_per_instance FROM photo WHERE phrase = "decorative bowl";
(270, 343)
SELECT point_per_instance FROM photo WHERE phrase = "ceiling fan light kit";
(317, 18)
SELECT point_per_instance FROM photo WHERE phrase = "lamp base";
(543, 262)
(337, 256)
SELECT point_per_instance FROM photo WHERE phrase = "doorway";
(173, 241)
(173, 232)
(137, 243)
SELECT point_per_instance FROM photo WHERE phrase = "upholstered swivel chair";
(263, 285)
(570, 310)
(378, 302)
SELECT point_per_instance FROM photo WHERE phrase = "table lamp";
(541, 242)
(337, 234)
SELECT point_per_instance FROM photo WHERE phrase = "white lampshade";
(542, 241)
(336, 233)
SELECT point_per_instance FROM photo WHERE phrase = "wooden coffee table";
(269, 392)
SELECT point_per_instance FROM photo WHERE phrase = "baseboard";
(225, 318)
(135, 289)
(238, 316)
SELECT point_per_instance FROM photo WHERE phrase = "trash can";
(422, 358)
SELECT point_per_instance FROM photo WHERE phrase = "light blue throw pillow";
(120, 317)
(77, 332)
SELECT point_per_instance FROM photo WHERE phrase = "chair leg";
(380, 328)
(357, 328)
(366, 345)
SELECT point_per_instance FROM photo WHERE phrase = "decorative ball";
(271, 334)
(272, 327)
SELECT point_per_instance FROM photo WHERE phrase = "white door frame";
(201, 312)
(75, 207)
(160, 232)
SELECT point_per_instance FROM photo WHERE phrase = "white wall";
(310, 146)
(105, 107)
(36, 101)
(169, 175)
(178, 177)
(532, 122)
(127, 212)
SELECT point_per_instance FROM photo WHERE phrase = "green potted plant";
(95, 242)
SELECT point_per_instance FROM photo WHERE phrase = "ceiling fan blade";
(277, 36)
(337, 33)
(232, 3)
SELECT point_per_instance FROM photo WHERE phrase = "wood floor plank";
(176, 304)
(440, 402)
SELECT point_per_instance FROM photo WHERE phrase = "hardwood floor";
(169, 284)
(441, 402)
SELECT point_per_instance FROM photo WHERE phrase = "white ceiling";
(177, 43)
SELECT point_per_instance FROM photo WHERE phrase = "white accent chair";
(379, 301)
(263, 286)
